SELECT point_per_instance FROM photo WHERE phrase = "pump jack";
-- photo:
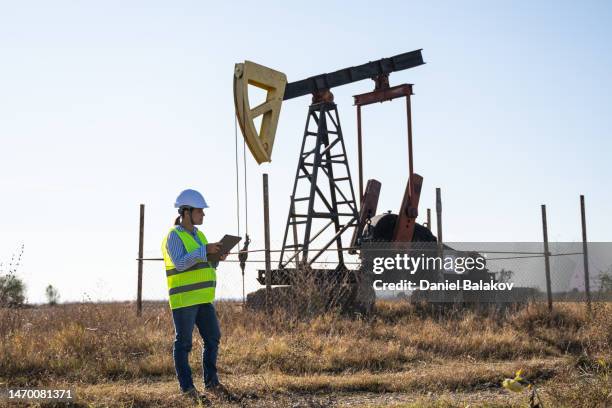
(323, 175)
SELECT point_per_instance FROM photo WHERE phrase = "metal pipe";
(429, 219)
(359, 154)
(312, 239)
(340, 231)
(410, 163)
(585, 252)
(295, 234)
(546, 259)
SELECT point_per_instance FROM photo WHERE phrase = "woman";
(191, 289)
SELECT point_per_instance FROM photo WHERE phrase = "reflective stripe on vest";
(199, 265)
(196, 284)
(193, 286)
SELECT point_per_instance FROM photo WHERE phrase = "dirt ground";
(279, 390)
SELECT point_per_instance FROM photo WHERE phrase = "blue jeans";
(204, 317)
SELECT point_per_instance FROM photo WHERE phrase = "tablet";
(227, 243)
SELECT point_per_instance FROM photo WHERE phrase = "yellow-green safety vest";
(196, 284)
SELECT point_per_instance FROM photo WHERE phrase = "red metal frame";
(404, 229)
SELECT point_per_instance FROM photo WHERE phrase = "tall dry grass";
(91, 343)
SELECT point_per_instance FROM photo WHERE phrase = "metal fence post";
(546, 259)
(140, 256)
(585, 255)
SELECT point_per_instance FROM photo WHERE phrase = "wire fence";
(522, 264)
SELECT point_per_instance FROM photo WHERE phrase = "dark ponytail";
(177, 221)
(181, 211)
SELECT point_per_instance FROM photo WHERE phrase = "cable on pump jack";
(244, 252)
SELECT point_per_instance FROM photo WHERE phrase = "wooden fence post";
(140, 256)
(585, 255)
(546, 259)
(439, 227)
(267, 241)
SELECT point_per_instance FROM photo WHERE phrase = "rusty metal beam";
(382, 95)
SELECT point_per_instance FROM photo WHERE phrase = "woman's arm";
(180, 257)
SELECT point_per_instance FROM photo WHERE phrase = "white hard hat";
(190, 198)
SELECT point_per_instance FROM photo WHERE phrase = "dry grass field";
(402, 356)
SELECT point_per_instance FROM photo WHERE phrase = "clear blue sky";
(103, 104)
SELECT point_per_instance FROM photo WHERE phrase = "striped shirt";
(178, 253)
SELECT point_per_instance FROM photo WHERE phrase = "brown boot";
(221, 392)
(194, 395)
